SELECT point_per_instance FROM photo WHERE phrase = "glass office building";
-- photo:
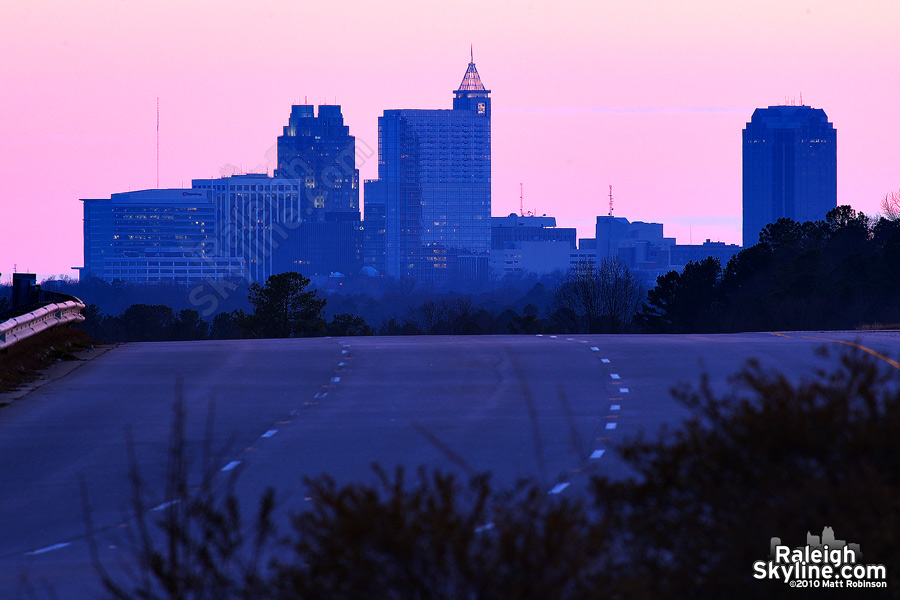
(319, 152)
(152, 236)
(432, 199)
(790, 167)
(254, 215)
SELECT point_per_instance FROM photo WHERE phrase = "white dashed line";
(48, 549)
(486, 527)
(539, 335)
(345, 352)
(552, 337)
(269, 433)
(165, 505)
(615, 407)
(610, 425)
(335, 379)
(614, 376)
(595, 349)
(318, 395)
(597, 454)
(558, 488)
(604, 360)
(623, 390)
(570, 339)
(231, 465)
(341, 364)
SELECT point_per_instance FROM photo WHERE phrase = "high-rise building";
(434, 189)
(255, 215)
(152, 236)
(306, 217)
(790, 167)
(320, 153)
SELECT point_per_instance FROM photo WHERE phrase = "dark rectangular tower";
(790, 167)
(434, 188)
(318, 154)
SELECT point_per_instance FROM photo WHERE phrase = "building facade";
(254, 215)
(789, 167)
(152, 236)
(434, 189)
(320, 154)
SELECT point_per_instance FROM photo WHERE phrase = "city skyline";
(651, 99)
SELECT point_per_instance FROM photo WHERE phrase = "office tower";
(255, 215)
(153, 236)
(790, 167)
(434, 189)
(319, 152)
(319, 155)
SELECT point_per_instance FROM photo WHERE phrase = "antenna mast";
(157, 142)
(610, 200)
(521, 199)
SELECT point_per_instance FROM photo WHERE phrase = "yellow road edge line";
(889, 361)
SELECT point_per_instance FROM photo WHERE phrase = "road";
(550, 408)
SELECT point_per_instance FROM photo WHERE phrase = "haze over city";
(650, 98)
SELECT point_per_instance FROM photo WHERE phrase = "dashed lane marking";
(335, 379)
(46, 549)
(164, 505)
(269, 433)
(604, 360)
(611, 425)
(597, 454)
(559, 487)
(595, 349)
(623, 390)
(615, 407)
(614, 376)
(231, 465)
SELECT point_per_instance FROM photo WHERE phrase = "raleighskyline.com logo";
(822, 562)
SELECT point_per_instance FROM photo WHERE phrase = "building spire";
(471, 80)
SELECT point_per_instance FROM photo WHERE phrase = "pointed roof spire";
(471, 80)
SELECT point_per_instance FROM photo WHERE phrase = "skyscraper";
(790, 167)
(320, 153)
(432, 198)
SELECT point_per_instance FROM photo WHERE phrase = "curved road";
(551, 408)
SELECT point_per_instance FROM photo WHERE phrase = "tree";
(686, 302)
(890, 205)
(346, 324)
(592, 299)
(283, 307)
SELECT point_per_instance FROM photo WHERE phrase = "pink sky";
(647, 96)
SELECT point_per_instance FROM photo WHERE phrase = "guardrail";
(19, 328)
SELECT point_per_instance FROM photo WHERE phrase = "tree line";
(283, 307)
(839, 273)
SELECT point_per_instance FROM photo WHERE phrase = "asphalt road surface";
(548, 408)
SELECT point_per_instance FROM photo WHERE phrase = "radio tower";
(610, 201)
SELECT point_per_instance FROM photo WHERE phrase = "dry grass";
(20, 363)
